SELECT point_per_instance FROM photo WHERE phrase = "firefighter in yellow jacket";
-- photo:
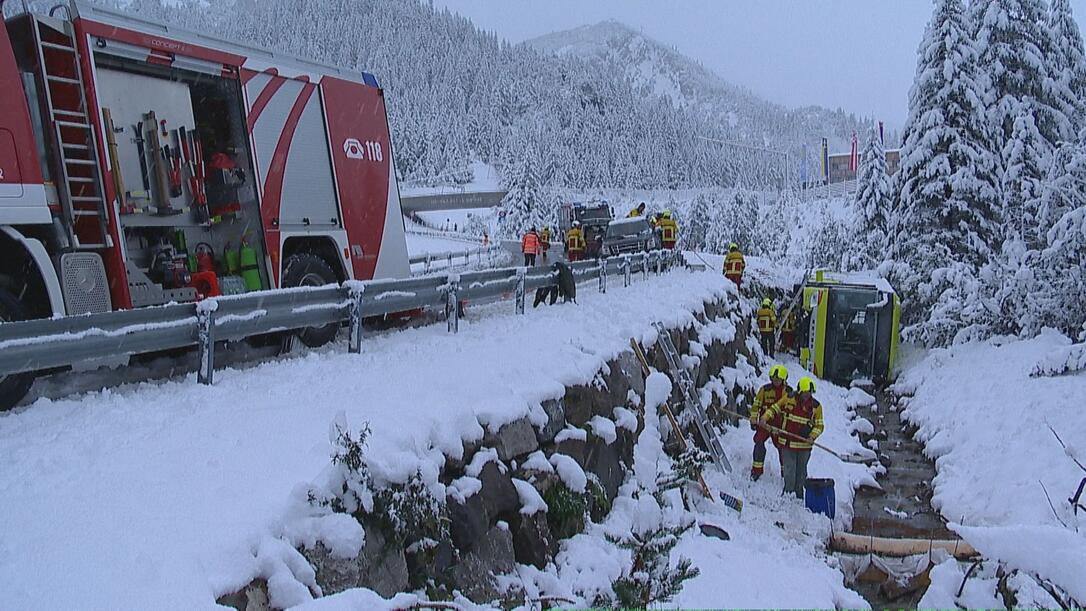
(669, 230)
(734, 264)
(801, 417)
(575, 244)
(768, 395)
(767, 325)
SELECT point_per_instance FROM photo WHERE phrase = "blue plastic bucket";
(819, 496)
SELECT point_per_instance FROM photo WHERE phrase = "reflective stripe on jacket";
(669, 230)
(789, 324)
(767, 396)
(767, 320)
(530, 244)
(800, 417)
(734, 264)
(575, 239)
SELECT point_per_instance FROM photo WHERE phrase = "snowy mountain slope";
(659, 70)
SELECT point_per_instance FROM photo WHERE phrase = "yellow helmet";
(806, 384)
(667, 214)
(778, 371)
(767, 302)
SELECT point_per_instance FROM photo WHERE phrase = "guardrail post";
(205, 338)
(449, 264)
(658, 257)
(354, 344)
(452, 302)
(625, 265)
(603, 274)
(429, 260)
(644, 266)
(521, 273)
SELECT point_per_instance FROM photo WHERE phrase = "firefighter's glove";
(805, 432)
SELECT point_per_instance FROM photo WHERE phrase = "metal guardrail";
(452, 257)
(36, 345)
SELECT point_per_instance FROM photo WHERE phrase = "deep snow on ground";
(983, 419)
(160, 493)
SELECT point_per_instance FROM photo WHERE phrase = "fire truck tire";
(13, 387)
(307, 269)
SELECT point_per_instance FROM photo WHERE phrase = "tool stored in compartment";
(163, 207)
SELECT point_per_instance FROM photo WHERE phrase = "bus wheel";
(13, 387)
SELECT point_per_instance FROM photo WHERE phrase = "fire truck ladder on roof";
(82, 197)
(681, 377)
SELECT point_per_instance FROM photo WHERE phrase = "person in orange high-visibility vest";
(529, 245)
(669, 230)
(769, 394)
(801, 415)
(734, 264)
(575, 244)
(767, 325)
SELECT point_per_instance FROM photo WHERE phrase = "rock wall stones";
(487, 532)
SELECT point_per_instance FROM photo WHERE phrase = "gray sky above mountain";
(859, 55)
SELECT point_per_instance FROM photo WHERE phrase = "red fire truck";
(141, 164)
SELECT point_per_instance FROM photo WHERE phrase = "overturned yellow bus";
(851, 324)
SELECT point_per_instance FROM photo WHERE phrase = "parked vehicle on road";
(142, 164)
(634, 234)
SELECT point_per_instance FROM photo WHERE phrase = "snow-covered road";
(154, 495)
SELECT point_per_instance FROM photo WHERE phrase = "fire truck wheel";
(12, 387)
(305, 269)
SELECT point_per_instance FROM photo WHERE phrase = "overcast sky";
(859, 55)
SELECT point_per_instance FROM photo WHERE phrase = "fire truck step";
(81, 179)
(85, 213)
(80, 161)
(62, 79)
(72, 124)
(75, 147)
(86, 198)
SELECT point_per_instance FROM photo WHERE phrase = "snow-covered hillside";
(659, 70)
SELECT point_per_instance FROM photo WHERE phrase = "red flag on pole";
(854, 158)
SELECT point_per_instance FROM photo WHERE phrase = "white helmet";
(576, 223)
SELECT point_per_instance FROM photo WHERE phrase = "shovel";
(855, 459)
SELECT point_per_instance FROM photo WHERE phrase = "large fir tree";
(1067, 64)
(949, 183)
(872, 205)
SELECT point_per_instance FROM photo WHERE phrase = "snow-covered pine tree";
(521, 205)
(949, 204)
(867, 248)
(1063, 276)
(699, 219)
(1014, 47)
(1064, 189)
(1024, 157)
(1067, 63)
